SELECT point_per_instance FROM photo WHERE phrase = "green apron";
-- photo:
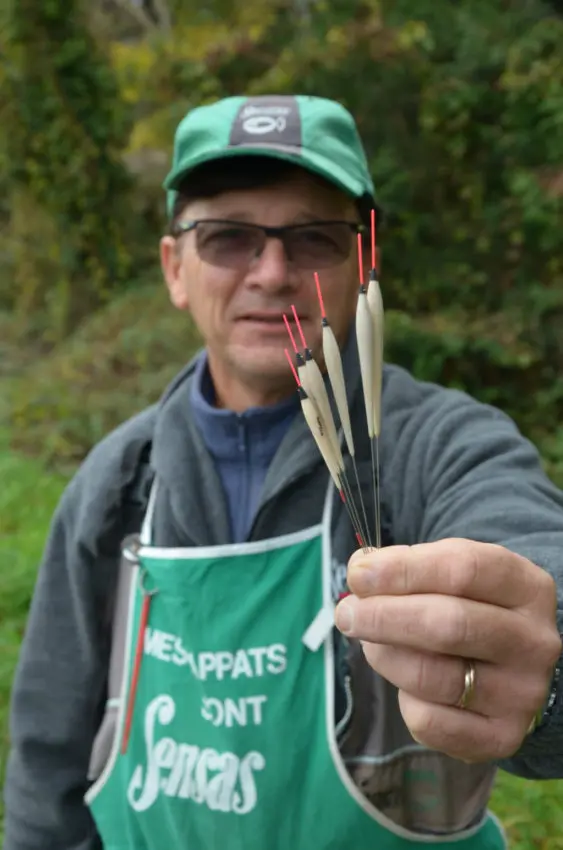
(226, 731)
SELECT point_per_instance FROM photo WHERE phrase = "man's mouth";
(267, 318)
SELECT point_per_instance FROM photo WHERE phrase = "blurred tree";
(149, 14)
(64, 127)
(461, 109)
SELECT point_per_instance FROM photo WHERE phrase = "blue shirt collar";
(261, 428)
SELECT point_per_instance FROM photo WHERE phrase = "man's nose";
(271, 269)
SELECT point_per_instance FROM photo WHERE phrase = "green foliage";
(64, 127)
(27, 500)
(529, 812)
(460, 106)
(117, 364)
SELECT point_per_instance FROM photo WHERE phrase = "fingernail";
(357, 558)
(344, 617)
(363, 557)
(363, 573)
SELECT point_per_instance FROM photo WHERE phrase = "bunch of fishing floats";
(315, 401)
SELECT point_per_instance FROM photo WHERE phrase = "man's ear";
(171, 264)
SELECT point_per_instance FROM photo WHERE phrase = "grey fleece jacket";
(450, 467)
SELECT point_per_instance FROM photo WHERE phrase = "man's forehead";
(304, 196)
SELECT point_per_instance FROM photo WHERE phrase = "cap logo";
(259, 124)
(266, 119)
(271, 121)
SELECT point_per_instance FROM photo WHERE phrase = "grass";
(531, 811)
(28, 496)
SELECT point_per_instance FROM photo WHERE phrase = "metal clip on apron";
(226, 737)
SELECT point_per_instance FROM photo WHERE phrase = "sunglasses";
(234, 244)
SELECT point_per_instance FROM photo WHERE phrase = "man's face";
(239, 311)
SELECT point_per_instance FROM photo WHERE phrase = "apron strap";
(321, 627)
(145, 537)
(327, 508)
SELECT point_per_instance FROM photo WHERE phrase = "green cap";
(317, 134)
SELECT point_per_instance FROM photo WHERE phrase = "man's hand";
(423, 611)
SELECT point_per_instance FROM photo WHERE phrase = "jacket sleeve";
(468, 472)
(59, 687)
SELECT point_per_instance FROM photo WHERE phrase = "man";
(228, 715)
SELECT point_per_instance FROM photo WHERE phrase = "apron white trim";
(254, 547)
(402, 751)
(337, 759)
(106, 773)
(145, 536)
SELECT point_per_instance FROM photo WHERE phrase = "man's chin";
(261, 362)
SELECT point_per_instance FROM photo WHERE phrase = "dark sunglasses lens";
(319, 246)
(228, 245)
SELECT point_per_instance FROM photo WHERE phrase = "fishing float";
(314, 398)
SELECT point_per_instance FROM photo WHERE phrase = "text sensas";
(220, 781)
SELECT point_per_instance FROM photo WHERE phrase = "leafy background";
(461, 109)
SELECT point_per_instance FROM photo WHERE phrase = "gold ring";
(468, 685)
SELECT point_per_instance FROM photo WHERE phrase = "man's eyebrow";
(305, 216)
